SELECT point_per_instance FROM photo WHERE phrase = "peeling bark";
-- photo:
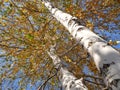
(106, 58)
(68, 80)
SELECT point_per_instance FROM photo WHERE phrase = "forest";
(59, 45)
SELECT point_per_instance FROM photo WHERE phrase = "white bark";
(68, 80)
(106, 58)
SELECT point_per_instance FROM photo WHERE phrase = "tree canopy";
(27, 30)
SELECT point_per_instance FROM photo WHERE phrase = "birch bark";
(106, 58)
(68, 80)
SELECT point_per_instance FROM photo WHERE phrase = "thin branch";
(42, 87)
(95, 77)
(2, 55)
(24, 15)
(94, 82)
(44, 84)
(60, 55)
(11, 46)
(31, 9)
(17, 38)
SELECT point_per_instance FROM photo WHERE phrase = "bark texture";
(106, 58)
(68, 80)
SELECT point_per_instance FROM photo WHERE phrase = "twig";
(44, 83)
(60, 55)
(94, 82)
(95, 77)
(23, 14)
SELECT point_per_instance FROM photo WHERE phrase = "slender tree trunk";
(68, 80)
(106, 58)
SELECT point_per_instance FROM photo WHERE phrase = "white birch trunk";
(106, 58)
(67, 79)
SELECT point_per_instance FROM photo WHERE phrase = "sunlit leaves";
(90, 25)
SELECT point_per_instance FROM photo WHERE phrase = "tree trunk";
(67, 79)
(106, 58)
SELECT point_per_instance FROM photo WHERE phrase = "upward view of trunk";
(106, 58)
(67, 79)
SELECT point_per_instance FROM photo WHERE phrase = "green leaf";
(30, 37)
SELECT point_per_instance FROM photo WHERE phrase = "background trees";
(27, 31)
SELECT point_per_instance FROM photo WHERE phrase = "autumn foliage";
(27, 30)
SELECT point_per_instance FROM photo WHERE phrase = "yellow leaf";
(52, 83)
(67, 59)
(6, 0)
(24, 10)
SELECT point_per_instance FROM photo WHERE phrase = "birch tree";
(27, 30)
(106, 58)
(68, 80)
